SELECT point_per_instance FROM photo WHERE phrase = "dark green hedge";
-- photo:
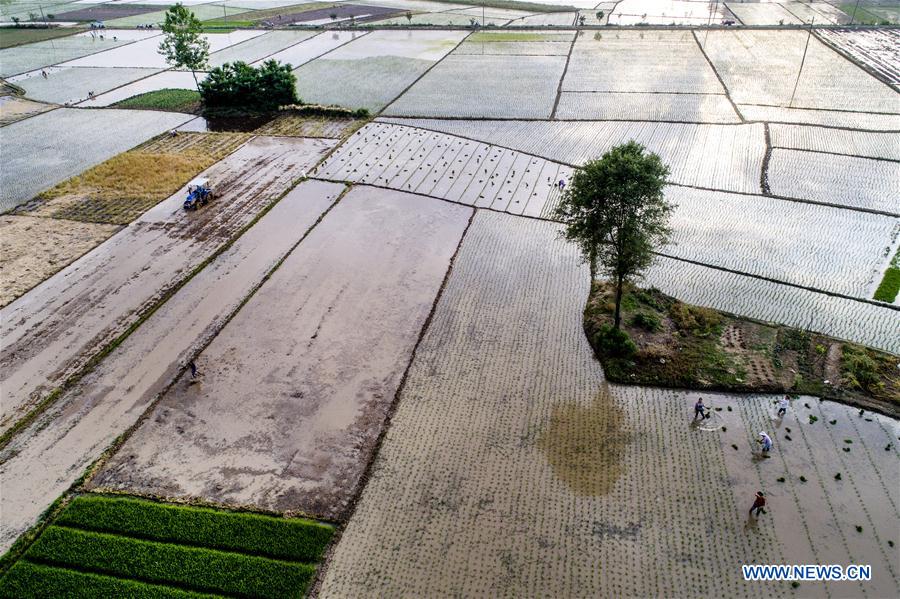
(200, 569)
(290, 539)
(26, 580)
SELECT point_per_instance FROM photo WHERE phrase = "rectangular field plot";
(762, 13)
(145, 53)
(640, 61)
(300, 54)
(513, 48)
(54, 146)
(836, 141)
(842, 180)
(878, 49)
(830, 118)
(77, 428)
(612, 106)
(725, 157)
(485, 86)
(448, 167)
(103, 546)
(58, 327)
(818, 13)
(258, 48)
(824, 248)
(29, 57)
(761, 67)
(163, 80)
(289, 421)
(509, 460)
(667, 12)
(74, 84)
(852, 320)
(373, 70)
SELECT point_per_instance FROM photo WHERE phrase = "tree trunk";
(197, 83)
(592, 264)
(619, 284)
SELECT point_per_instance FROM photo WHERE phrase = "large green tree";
(615, 210)
(182, 45)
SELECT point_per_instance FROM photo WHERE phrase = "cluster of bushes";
(698, 321)
(237, 87)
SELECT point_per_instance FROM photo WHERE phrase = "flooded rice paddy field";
(510, 468)
(54, 330)
(291, 401)
(82, 423)
(435, 303)
(877, 49)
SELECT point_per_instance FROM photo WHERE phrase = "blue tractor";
(199, 192)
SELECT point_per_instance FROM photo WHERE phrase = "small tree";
(182, 45)
(409, 16)
(615, 211)
(600, 14)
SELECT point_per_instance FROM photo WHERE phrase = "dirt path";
(510, 469)
(295, 389)
(52, 332)
(47, 457)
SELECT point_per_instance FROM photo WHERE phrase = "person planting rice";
(700, 410)
(758, 504)
(766, 443)
(783, 405)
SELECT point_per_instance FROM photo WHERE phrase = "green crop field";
(120, 546)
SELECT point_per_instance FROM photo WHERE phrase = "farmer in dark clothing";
(193, 368)
(699, 409)
(758, 504)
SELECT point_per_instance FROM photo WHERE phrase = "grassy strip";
(174, 100)
(192, 567)
(16, 36)
(268, 536)
(861, 16)
(890, 284)
(26, 580)
(667, 343)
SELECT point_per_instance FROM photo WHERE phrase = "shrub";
(292, 539)
(238, 86)
(858, 369)
(700, 322)
(889, 286)
(192, 567)
(26, 580)
(648, 322)
(613, 342)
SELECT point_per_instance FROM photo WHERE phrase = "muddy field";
(510, 469)
(32, 249)
(55, 329)
(76, 429)
(291, 401)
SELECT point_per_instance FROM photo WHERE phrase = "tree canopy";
(614, 209)
(239, 87)
(182, 45)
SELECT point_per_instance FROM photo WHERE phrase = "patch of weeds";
(846, 449)
(173, 100)
(858, 528)
(848, 441)
(813, 419)
(698, 321)
(646, 321)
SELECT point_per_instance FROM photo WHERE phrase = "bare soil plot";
(105, 12)
(878, 49)
(850, 320)
(294, 125)
(836, 141)
(657, 61)
(484, 86)
(43, 150)
(14, 109)
(727, 157)
(843, 180)
(826, 248)
(54, 330)
(511, 470)
(761, 67)
(73, 433)
(373, 70)
(292, 401)
(32, 249)
(448, 167)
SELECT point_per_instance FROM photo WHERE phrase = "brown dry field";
(294, 391)
(32, 249)
(76, 312)
(512, 470)
(14, 109)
